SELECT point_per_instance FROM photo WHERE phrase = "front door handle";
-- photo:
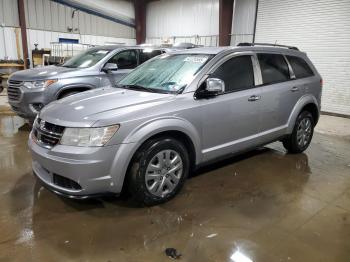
(295, 89)
(254, 98)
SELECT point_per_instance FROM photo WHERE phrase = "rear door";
(230, 121)
(126, 61)
(147, 53)
(279, 94)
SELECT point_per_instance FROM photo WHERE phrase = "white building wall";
(44, 38)
(243, 21)
(8, 13)
(182, 18)
(51, 16)
(47, 21)
(8, 48)
(321, 28)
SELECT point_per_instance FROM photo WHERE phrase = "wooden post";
(140, 20)
(225, 21)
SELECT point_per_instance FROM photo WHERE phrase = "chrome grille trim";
(46, 134)
(14, 93)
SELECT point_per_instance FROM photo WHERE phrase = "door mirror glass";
(210, 88)
(215, 86)
(110, 67)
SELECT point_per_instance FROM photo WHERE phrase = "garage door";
(322, 29)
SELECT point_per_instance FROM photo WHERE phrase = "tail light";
(321, 82)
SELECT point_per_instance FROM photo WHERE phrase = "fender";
(73, 86)
(303, 101)
(143, 132)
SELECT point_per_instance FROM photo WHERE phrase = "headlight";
(93, 136)
(40, 84)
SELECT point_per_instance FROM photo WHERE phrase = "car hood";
(41, 73)
(102, 106)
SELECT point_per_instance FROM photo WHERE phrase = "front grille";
(47, 134)
(65, 182)
(13, 90)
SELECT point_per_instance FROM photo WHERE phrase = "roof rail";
(266, 44)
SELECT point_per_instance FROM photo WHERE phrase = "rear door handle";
(295, 89)
(254, 98)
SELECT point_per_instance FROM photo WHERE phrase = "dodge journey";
(172, 114)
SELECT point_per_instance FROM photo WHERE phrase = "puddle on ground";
(239, 209)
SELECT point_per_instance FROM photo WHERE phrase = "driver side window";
(237, 73)
(125, 59)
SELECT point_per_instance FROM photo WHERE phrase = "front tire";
(158, 171)
(302, 133)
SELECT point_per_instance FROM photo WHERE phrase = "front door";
(230, 122)
(126, 61)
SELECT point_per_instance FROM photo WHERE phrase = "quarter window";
(274, 68)
(237, 73)
(125, 59)
(148, 54)
(300, 67)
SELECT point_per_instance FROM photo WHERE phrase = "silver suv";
(172, 114)
(30, 90)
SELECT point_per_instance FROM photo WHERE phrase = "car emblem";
(42, 125)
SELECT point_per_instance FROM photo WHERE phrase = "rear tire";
(302, 134)
(158, 171)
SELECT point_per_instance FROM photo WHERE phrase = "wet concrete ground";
(265, 205)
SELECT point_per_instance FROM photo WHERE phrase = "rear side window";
(237, 73)
(300, 67)
(274, 68)
(148, 54)
(125, 60)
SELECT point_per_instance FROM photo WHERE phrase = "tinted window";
(300, 67)
(86, 59)
(274, 68)
(237, 73)
(125, 59)
(148, 54)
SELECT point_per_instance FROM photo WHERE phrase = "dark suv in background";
(30, 90)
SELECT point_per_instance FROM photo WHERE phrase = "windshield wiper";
(138, 87)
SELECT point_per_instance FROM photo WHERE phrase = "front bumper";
(24, 105)
(89, 167)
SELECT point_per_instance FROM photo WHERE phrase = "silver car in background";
(172, 114)
(30, 90)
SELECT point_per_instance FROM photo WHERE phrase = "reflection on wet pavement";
(264, 205)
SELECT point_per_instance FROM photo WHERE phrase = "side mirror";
(210, 88)
(110, 67)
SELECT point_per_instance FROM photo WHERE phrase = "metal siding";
(81, 22)
(39, 9)
(167, 18)
(44, 38)
(2, 19)
(32, 15)
(243, 21)
(8, 13)
(47, 15)
(54, 17)
(321, 28)
(8, 43)
(62, 18)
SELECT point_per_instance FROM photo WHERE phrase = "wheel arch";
(307, 102)
(70, 88)
(178, 129)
